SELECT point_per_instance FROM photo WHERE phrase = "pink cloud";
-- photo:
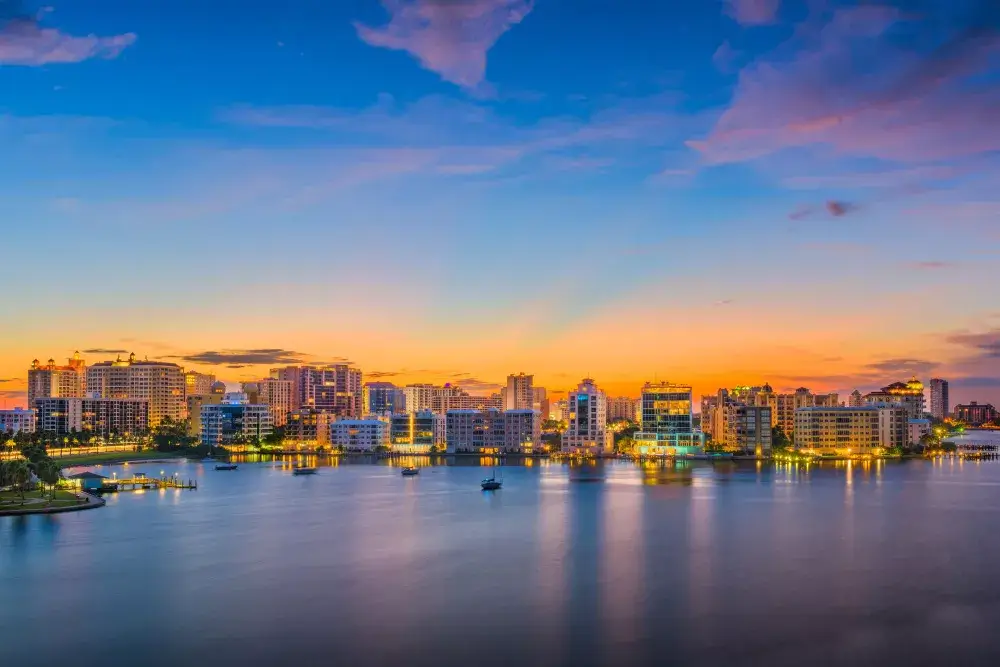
(449, 37)
(845, 86)
(753, 12)
(24, 42)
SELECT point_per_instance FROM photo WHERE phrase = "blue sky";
(474, 187)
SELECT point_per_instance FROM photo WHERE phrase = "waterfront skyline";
(452, 192)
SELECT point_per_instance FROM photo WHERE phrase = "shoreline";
(93, 502)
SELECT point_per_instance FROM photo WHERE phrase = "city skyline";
(714, 194)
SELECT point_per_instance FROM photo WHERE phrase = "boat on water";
(304, 471)
(491, 483)
(410, 471)
(226, 466)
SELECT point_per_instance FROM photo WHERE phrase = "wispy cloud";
(23, 41)
(753, 12)
(930, 265)
(448, 37)
(104, 350)
(865, 83)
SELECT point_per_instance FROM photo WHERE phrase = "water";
(694, 564)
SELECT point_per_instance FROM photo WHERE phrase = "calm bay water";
(614, 564)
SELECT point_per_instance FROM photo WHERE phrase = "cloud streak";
(240, 358)
(24, 42)
(448, 37)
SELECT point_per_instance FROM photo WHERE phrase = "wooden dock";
(139, 482)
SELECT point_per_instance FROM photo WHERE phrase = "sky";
(799, 192)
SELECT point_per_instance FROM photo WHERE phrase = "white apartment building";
(587, 420)
(359, 435)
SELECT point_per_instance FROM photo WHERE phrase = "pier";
(140, 481)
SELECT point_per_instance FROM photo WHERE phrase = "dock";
(139, 482)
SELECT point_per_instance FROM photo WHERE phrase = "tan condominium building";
(846, 431)
(198, 384)
(159, 383)
(275, 394)
(783, 406)
(50, 380)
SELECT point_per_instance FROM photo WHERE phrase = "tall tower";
(940, 404)
(519, 394)
(587, 431)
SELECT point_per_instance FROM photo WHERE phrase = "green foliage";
(171, 435)
(275, 437)
(780, 441)
(554, 425)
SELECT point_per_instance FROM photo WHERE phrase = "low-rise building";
(846, 431)
(359, 435)
(102, 417)
(234, 422)
(17, 420)
(522, 431)
(748, 429)
(917, 429)
(416, 432)
(307, 428)
(976, 414)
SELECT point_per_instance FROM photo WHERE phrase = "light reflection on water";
(600, 563)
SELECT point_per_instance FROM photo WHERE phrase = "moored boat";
(226, 466)
(304, 471)
(410, 471)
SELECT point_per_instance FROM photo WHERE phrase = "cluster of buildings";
(331, 406)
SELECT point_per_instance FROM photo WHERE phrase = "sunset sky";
(804, 192)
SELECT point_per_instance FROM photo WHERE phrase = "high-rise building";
(17, 420)
(519, 392)
(559, 410)
(335, 389)
(383, 399)
(275, 394)
(666, 408)
(623, 407)
(234, 422)
(856, 400)
(908, 395)
(587, 431)
(194, 402)
(102, 417)
(976, 414)
(52, 381)
(667, 422)
(940, 404)
(359, 435)
(540, 401)
(416, 432)
(198, 384)
(159, 383)
(419, 397)
(846, 431)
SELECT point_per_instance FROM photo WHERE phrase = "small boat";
(226, 466)
(304, 471)
(410, 471)
(491, 484)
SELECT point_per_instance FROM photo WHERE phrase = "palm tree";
(18, 474)
(49, 472)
